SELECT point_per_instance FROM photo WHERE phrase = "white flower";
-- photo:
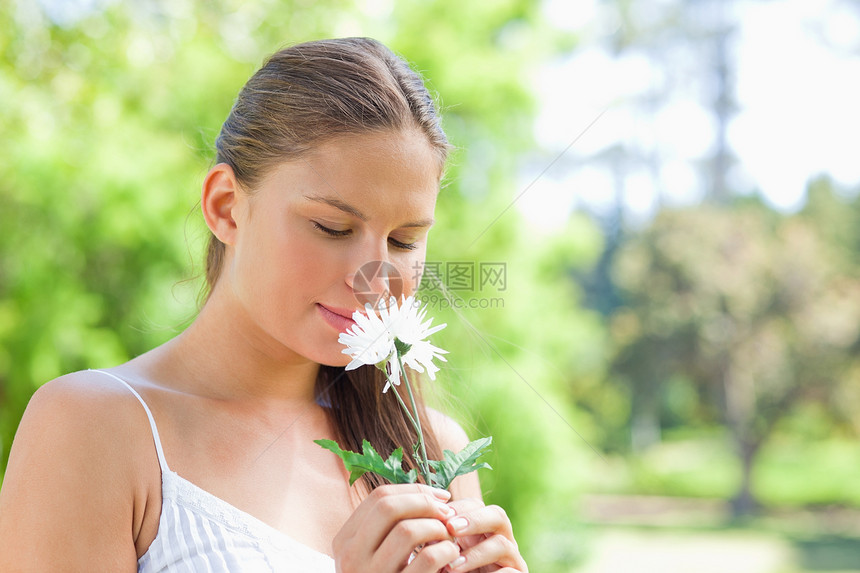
(409, 329)
(377, 334)
(369, 340)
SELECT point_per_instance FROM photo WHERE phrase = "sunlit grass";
(787, 473)
(792, 473)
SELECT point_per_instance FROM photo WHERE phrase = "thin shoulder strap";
(162, 462)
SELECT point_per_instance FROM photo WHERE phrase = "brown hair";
(303, 96)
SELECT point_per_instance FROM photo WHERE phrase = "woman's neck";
(228, 358)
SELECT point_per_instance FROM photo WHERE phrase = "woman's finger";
(391, 511)
(357, 541)
(408, 534)
(465, 505)
(486, 537)
(485, 519)
(433, 558)
(390, 489)
(496, 550)
(387, 504)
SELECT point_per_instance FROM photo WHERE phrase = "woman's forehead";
(357, 173)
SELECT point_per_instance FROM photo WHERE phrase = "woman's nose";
(376, 281)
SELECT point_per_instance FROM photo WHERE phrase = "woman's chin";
(337, 360)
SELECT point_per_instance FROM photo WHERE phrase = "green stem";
(415, 425)
(425, 466)
(406, 411)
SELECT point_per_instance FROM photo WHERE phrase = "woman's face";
(312, 223)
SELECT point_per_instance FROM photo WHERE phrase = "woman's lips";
(339, 318)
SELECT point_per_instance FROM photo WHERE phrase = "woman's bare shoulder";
(72, 472)
(87, 407)
(452, 436)
(87, 389)
(83, 419)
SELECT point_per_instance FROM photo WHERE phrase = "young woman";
(199, 455)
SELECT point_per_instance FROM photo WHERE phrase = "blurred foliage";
(747, 316)
(110, 111)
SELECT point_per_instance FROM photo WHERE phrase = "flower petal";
(371, 339)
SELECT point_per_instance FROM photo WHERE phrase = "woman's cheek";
(411, 269)
(318, 259)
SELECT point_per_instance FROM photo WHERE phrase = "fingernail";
(457, 562)
(442, 494)
(458, 524)
(446, 510)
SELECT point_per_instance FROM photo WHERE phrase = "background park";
(647, 245)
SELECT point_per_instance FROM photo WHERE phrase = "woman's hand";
(386, 528)
(486, 537)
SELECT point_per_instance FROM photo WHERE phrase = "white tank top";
(201, 533)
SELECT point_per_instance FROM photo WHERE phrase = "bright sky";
(797, 80)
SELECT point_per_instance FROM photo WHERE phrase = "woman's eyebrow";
(421, 223)
(347, 208)
(338, 204)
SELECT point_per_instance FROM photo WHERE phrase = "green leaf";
(370, 461)
(401, 347)
(460, 463)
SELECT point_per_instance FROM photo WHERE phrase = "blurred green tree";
(759, 310)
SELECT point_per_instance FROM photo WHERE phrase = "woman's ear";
(219, 200)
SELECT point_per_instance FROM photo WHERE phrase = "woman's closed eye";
(332, 232)
(401, 245)
(346, 232)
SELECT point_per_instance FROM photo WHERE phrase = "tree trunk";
(645, 422)
(740, 413)
(744, 503)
